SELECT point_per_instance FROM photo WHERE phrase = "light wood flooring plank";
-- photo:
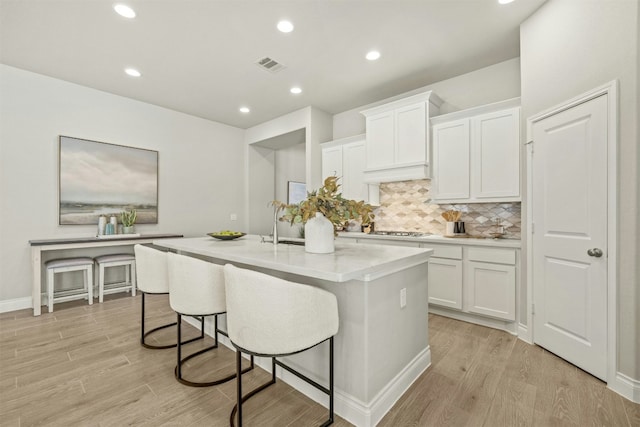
(83, 365)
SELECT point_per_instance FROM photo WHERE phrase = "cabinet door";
(411, 134)
(332, 162)
(495, 152)
(491, 289)
(451, 160)
(380, 137)
(353, 160)
(445, 282)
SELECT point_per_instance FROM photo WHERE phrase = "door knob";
(595, 252)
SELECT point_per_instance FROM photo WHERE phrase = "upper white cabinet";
(345, 158)
(397, 147)
(476, 154)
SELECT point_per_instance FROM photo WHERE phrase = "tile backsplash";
(403, 208)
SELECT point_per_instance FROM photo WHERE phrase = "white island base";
(381, 348)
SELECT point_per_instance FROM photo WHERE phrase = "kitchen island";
(382, 345)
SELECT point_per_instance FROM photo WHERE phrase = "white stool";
(65, 265)
(153, 279)
(116, 260)
(196, 289)
(268, 316)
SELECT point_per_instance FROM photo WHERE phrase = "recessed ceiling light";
(244, 110)
(124, 10)
(132, 72)
(285, 26)
(504, 1)
(373, 55)
(295, 90)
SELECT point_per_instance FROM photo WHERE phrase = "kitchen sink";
(291, 242)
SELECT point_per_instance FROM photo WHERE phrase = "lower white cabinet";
(474, 279)
(491, 289)
(445, 282)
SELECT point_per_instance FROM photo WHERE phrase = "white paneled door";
(569, 206)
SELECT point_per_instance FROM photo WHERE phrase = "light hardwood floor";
(83, 366)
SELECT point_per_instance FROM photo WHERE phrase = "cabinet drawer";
(444, 251)
(497, 256)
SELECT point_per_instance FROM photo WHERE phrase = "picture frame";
(296, 192)
(98, 178)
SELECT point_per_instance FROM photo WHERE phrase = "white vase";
(318, 235)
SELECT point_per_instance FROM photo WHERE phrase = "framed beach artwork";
(97, 178)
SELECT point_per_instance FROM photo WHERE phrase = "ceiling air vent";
(270, 64)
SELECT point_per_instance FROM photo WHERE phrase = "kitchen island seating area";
(366, 281)
(266, 316)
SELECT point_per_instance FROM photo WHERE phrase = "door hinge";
(533, 308)
(533, 228)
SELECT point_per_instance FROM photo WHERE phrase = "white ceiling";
(197, 56)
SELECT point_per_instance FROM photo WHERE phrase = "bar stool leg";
(100, 283)
(239, 389)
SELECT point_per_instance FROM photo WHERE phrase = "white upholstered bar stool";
(56, 266)
(127, 261)
(153, 279)
(272, 317)
(196, 289)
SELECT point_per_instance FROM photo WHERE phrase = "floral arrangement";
(329, 201)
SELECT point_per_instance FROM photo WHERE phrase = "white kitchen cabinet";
(491, 289)
(490, 282)
(397, 135)
(332, 162)
(476, 154)
(451, 152)
(495, 155)
(445, 276)
(345, 158)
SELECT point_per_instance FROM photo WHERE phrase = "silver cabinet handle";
(595, 252)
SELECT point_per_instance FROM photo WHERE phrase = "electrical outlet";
(403, 297)
(233, 217)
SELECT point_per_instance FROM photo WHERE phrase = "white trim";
(524, 333)
(348, 407)
(626, 386)
(344, 141)
(16, 304)
(428, 96)
(611, 90)
(489, 322)
(474, 111)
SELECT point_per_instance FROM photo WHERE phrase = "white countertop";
(349, 261)
(498, 243)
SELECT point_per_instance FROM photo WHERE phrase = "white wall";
(490, 84)
(201, 170)
(290, 166)
(567, 48)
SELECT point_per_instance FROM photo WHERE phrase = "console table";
(39, 246)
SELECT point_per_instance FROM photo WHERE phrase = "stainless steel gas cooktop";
(401, 233)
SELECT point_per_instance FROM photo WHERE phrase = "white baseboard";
(15, 304)
(626, 387)
(489, 322)
(524, 333)
(348, 407)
